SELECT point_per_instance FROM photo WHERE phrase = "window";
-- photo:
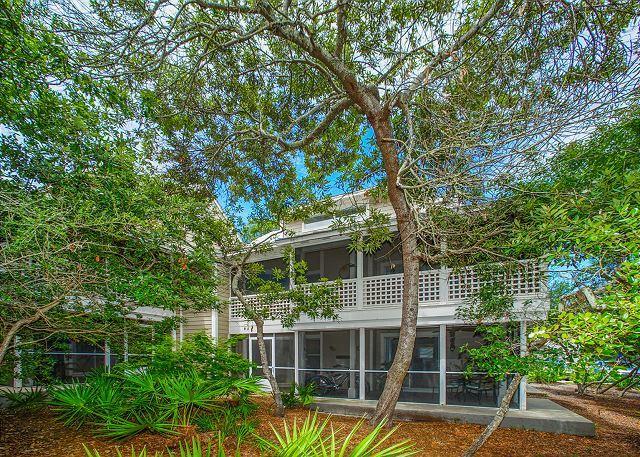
(331, 261)
(386, 261)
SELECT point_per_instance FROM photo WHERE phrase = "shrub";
(310, 439)
(127, 403)
(212, 359)
(26, 401)
(298, 395)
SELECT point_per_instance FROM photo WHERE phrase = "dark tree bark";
(497, 419)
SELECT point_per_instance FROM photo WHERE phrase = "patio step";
(542, 414)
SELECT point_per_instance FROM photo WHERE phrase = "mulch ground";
(617, 424)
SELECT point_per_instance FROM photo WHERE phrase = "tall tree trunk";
(407, 229)
(264, 360)
(498, 418)
(262, 349)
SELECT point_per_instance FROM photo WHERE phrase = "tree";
(315, 300)
(586, 211)
(503, 354)
(88, 232)
(256, 85)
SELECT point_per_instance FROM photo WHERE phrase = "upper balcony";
(371, 286)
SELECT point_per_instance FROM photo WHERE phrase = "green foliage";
(90, 229)
(31, 400)
(584, 336)
(298, 395)
(315, 300)
(126, 403)
(193, 449)
(198, 352)
(311, 438)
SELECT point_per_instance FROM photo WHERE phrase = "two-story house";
(349, 357)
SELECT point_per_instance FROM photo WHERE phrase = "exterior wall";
(196, 321)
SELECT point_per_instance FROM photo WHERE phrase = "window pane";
(339, 349)
(476, 390)
(255, 354)
(285, 349)
(285, 378)
(417, 387)
(457, 338)
(327, 383)
(386, 261)
(382, 345)
(329, 261)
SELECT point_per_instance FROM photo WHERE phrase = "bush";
(127, 403)
(310, 439)
(210, 358)
(298, 395)
(26, 401)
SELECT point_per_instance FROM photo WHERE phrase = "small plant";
(193, 449)
(310, 439)
(229, 422)
(298, 395)
(26, 401)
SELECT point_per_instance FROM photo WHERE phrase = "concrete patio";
(541, 414)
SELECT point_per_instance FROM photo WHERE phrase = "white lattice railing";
(434, 286)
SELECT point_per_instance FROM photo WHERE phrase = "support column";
(443, 363)
(17, 376)
(523, 351)
(360, 280)
(361, 367)
(107, 355)
(214, 324)
(126, 347)
(352, 364)
(296, 357)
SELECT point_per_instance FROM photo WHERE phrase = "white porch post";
(523, 351)
(250, 352)
(296, 357)
(17, 376)
(352, 363)
(359, 280)
(214, 324)
(443, 363)
(126, 347)
(363, 352)
(107, 355)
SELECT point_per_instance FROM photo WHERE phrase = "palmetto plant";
(28, 400)
(188, 393)
(130, 402)
(73, 403)
(193, 449)
(312, 439)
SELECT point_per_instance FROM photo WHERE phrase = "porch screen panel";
(422, 381)
(470, 389)
(329, 360)
(284, 359)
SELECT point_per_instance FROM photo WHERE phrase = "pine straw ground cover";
(617, 421)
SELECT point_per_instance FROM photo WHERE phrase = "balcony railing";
(435, 286)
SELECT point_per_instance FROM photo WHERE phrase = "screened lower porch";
(353, 364)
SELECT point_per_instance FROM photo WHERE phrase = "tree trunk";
(264, 360)
(407, 230)
(498, 418)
